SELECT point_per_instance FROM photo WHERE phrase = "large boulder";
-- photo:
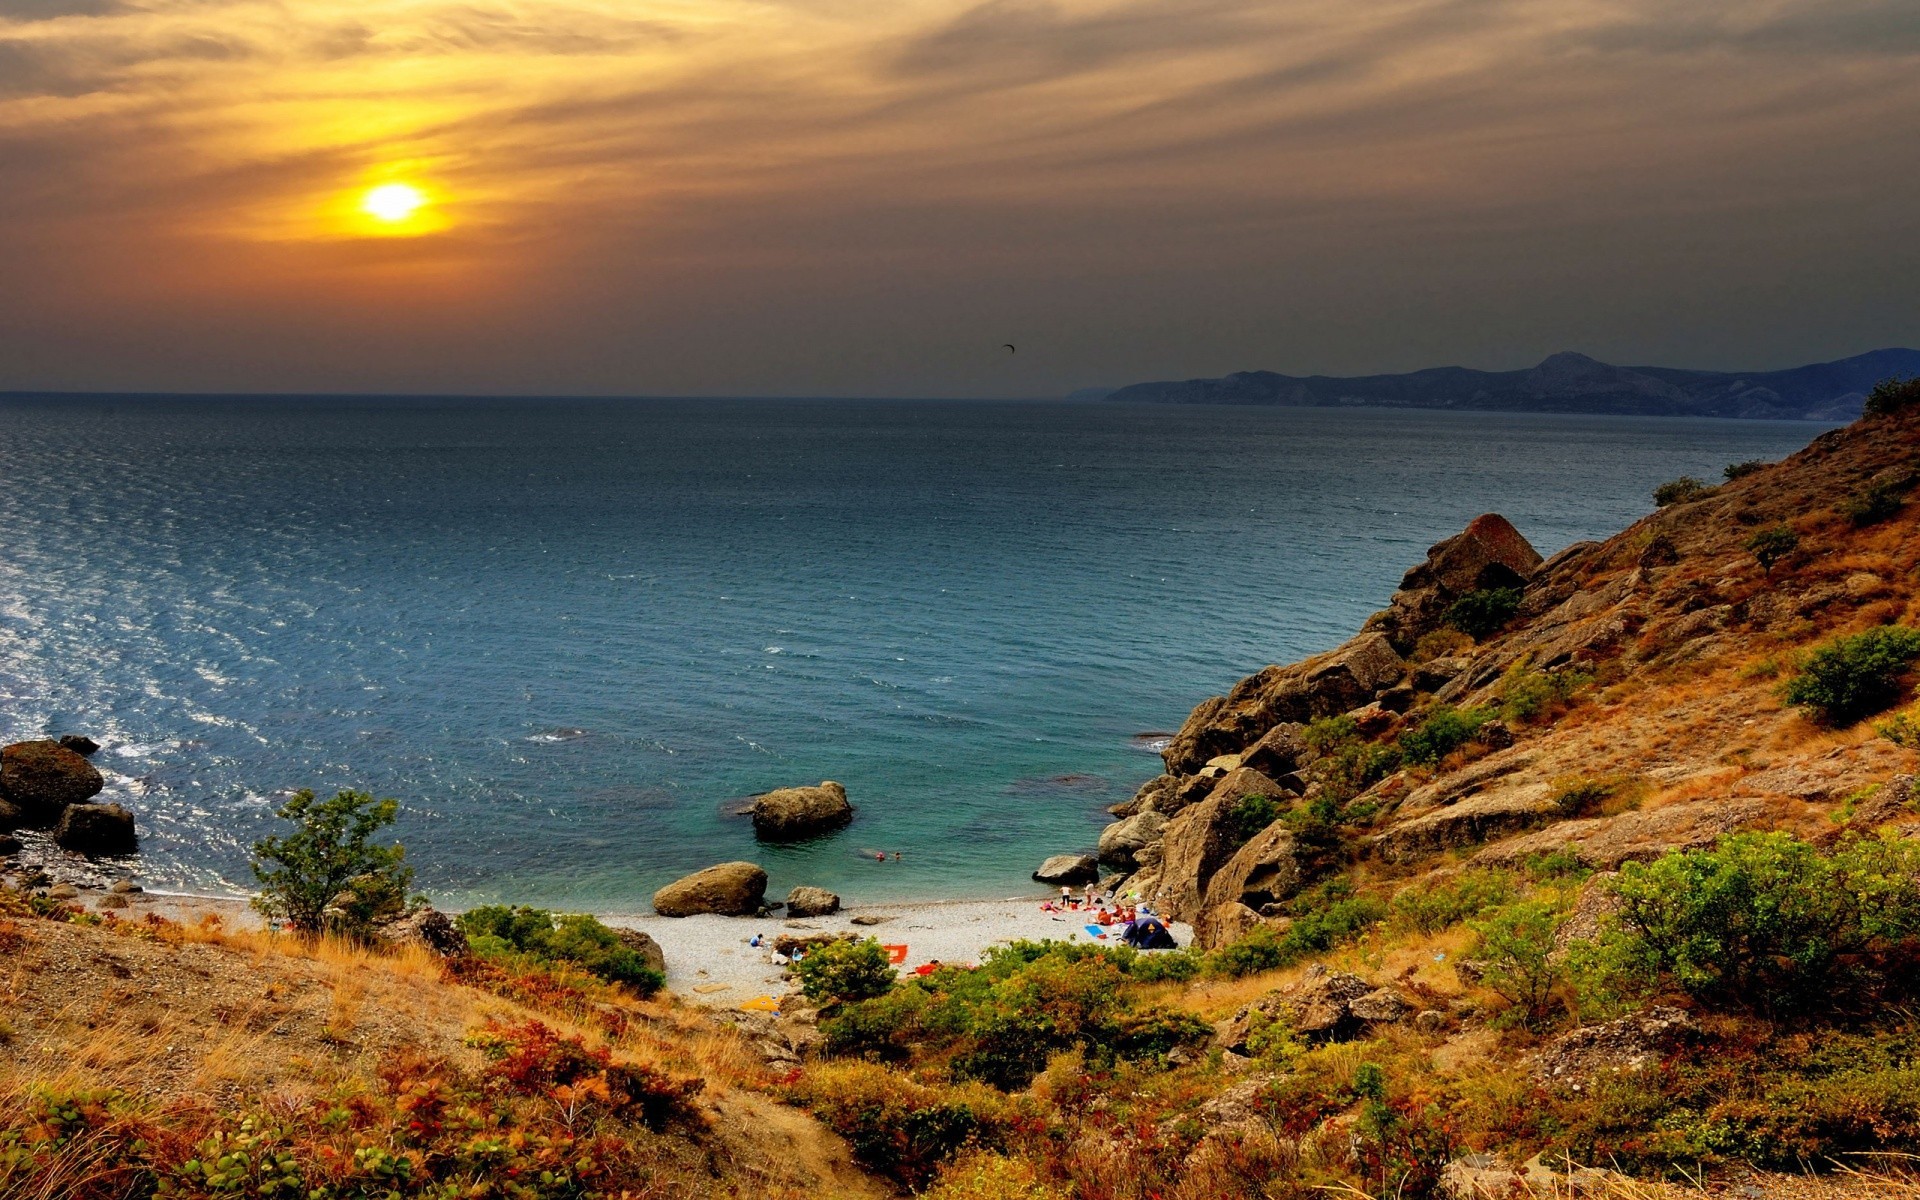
(1326, 685)
(734, 889)
(1266, 870)
(1488, 553)
(1281, 750)
(1069, 869)
(41, 778)
(428, 928)
(1319, 1007)
(96, 829)
(1122, 840)
(11, 815)
(1225, 924)
(644, 945)
(790, 814)
(1200, 840)
(812, 902)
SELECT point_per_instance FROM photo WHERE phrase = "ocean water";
(572, 636)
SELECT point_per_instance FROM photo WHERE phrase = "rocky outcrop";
(812, 902)
(792, 814)
(1488, 553)
(427, 927)
(96, 829)
(1069, 869)
(1469, 822)
(1225, 924)
(1120, 841)
(11, 816)
(1606, 842)
(1321, 1007)
(1200, 840)
(41, 778)
(643, 944)
(1265, 870)
(1280, 750)
(1327, 685)
(734, 889)
(1631, 1043)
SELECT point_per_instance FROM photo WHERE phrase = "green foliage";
(1593, 795)
(1741, 470)
(843, 971)
(899, 1126)
(1516, 950)
(1891, 396)
(1872, 504)
(1679, 491)
(1528, 695)
(1902, 729)
(1440, 643)
(513, 934)
(1443, 730)
(1766, 921)
(1560, 864)
(1769, 546)
(1323, 918)
(1325, 735)
(1433, 905)
(1855, 676)
(1480, 613)
(325, 876)
(1247, 816)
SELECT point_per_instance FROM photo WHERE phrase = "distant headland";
(1564, 383)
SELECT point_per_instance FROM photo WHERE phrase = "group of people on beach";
(1103, 908)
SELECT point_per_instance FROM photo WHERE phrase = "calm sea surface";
(571, 636)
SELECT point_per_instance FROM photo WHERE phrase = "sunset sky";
(855, 197)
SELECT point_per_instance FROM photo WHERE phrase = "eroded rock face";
(1488, 553)
(790, 814)
(811, 902)
(1069, 869)
(1120, 841)
(427, 927)
(96, 829)
(41, 778)
(1469, 822)
(1199, 841)
(1223, 925)
(1326, 685)
(1280, 750)
(1265, 870)
(734, 889)
(1319, 1008)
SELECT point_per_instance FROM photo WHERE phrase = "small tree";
(1769, 546)
(1516, 948)
(1853, 677)
(324, 877)
(1679, 491)
(1890, 396)
(1741, 470)
(840, 972)
(1482, 612)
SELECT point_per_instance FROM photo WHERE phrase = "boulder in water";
(41, 778)
(733, 889)
(790, 814)
(80, 744)
(96, 829)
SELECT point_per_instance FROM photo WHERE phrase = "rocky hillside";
(1623, 698)
(1564, 382)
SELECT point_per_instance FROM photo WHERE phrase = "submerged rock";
(41, 778)
(790, 814)
(733, 889)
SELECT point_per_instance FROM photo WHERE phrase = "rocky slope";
(1564, 382)
(1630, 701)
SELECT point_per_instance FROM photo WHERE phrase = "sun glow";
(393, 202)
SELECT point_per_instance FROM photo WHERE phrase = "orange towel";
(895, 954)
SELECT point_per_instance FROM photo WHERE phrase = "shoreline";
(709, 959)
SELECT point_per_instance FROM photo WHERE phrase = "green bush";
(1741, 470)
(1769, 546)
(1891, 396)
(1247, 816)
(1322, 919)
(843, 971)
(1527, 694)
(1679, 491)
(1872, 504)
(1515, 949)
(1443, 730)
(325, 877)
(499, 932)
(1765, 921)
(1855, 676)
(1325, 735)
(1433, 905)
(1902, 729)
(1480, 613)
(899, 1126)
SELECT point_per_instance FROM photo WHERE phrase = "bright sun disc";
(392, 202)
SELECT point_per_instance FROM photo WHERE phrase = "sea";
(574, 637)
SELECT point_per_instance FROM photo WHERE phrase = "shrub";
(1480, 613)
(1443, 730)
(983, 1176)
(1679, 491)
(1872, 504)
(1741, 470)
(1516, 947)
(1247, 816)
(1769, 546)
(901, 1127)
(1891, 396)
(1322, 919)
(1440, 643)
(1592, 795)
(843, 971)
(1766, 921)
(1433, 905)
(1855, 676)
(1902, 729)
(1325, 735)
(324, 876)
(495, 931)
(1527, 694)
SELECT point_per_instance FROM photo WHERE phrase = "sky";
(870, 197)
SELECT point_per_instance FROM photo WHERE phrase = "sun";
(393, 202)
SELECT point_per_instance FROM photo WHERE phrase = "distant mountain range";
(1566, 382)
